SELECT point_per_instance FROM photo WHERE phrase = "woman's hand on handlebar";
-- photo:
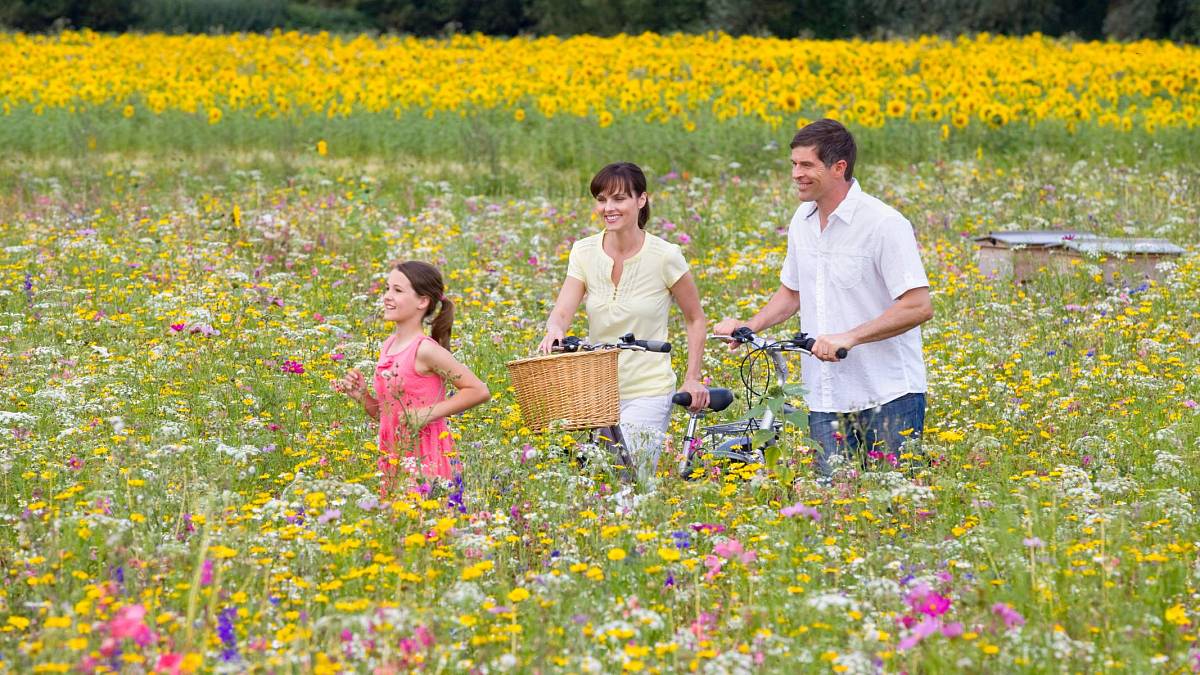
(699, 394)
(826, 347)
(553, 335)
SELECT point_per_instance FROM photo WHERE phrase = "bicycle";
(736, 442)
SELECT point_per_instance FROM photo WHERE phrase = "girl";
(630, 278)
(409, 386)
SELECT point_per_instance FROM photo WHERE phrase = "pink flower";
(177, 327)
(684, 239)
(1190, 403)
(799, 509)
(129, 623)
(169, 662)
(732, 548)
(925, 600)
(920, 632)
(714, 565)
(1012, 618)
(292, 366)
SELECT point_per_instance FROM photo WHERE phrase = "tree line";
(1177, 20)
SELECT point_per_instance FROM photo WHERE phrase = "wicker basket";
(568, 391)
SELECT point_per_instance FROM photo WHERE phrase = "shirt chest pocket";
(847, 271)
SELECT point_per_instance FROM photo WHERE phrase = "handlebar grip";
(807, 345)
(719, 398)
(654, 346)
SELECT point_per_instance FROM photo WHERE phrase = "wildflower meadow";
(194, 233)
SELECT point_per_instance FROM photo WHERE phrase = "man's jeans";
(882, 429)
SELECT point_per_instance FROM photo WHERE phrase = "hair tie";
(443, 298)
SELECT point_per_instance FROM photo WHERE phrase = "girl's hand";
(417, 418)
(553, 335)
(352, 384)
(699, 394)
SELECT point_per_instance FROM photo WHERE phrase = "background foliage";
(1088, 19)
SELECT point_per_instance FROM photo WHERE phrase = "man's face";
(811, 176)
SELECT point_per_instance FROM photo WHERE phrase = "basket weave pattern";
(568, 391)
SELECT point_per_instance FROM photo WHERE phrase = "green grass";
(1062, 421)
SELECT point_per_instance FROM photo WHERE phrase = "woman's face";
(618, 209)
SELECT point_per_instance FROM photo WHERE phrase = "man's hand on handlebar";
(699, 394)
(827, 346)
(726, 327)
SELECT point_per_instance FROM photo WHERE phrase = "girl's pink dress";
(429, 452)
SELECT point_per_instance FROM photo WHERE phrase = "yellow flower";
(322, 148)
(669, 554)
(1177, 615)
(214, 115)
(127, 111)
(518, 594)
(605, 118)
(616, 554)
(519, 114)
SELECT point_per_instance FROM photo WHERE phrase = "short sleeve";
(575, 264)
(898, 258)
(673, 266)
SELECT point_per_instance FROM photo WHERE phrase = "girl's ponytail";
(443, 322)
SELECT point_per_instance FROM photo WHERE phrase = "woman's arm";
(560, 317)
(687, 296)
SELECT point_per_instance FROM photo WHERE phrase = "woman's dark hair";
(832, 142)
(427, 282)
(623, 177)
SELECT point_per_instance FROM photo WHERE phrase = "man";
(853, 272)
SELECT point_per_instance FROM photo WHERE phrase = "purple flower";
(206, 573)
(1033, 542)
(293, 366)
(328, 515)
(227, 633)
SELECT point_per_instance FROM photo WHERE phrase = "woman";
(629, 278)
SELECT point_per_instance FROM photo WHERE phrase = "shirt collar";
(844, 211)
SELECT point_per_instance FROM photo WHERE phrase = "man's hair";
(832, 141)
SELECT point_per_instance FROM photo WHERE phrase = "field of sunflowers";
(181, 491)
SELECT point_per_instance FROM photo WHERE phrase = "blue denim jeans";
(883, 428)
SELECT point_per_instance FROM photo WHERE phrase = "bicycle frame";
(741, 446)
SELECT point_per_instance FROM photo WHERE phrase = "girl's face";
(400, 301)
(618, 209)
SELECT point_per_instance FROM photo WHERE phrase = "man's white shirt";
(847, 275)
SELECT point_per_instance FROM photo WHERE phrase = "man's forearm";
(781, 307)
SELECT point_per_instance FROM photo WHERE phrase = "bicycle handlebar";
(801, 342)
(571, 344)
